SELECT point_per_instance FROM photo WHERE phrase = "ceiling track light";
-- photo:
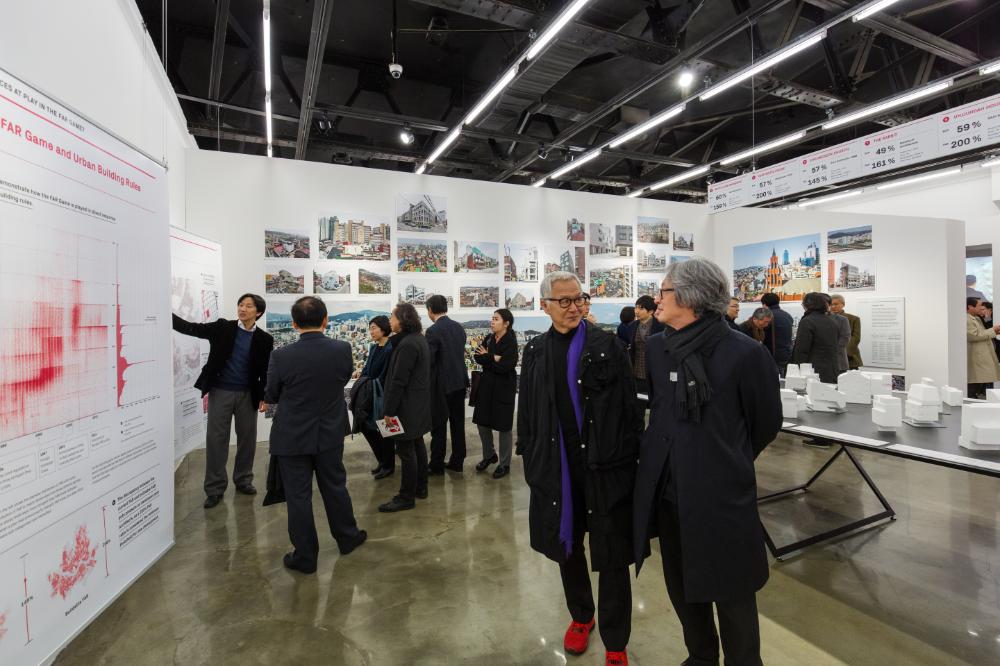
(406, 135)
(872, 8)
(539, 182)
(765, 64)
(763, 148)
(833, 197)
(991, 68)
(679, 178)
(918, 179)
(268, 116)
(893, 103)
(578, 162)
(421, 169)
(644, 127)
(558, 24)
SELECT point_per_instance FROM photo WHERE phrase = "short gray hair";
(837, 297)
(557, 276)
(699, 284)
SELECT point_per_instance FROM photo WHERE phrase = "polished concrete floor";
(455, 581)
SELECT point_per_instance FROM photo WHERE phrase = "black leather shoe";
(347, 548)
(212, 500)
(454, 467)
(246, 489)
(435, 471)
(382, 473)
(484, 464)
(376, 469)
(421, 493)
(501, 472)
(292, 562)
(397, 503)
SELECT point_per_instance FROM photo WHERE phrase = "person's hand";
(262, 407)
(357, 373)
(996, 329)
(481, 350)
(496, 357)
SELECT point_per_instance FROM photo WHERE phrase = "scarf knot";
(688, 347)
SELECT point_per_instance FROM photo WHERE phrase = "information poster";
(195, 295)
(950, 132)
(883, 332)
(86, 450)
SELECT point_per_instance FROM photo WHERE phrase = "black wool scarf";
(688, 347)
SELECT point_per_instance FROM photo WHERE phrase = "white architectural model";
(950, 397)
(791, 404)
(992, 395)
(923, 402)
(887, 412)
(797, 376)
(822, 397)
(980, 427)
(881, 382)
(856, 386)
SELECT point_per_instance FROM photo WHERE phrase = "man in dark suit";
(306, 379)
(778, 336)
(448, 383)
(636, 334)
(233, 378)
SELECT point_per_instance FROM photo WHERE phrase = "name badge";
(673, 376)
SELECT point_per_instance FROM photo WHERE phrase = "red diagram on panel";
(78, 560)
(3, 625)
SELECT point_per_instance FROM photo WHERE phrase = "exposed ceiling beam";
(218, 48)
(236, 107)
(322, 11)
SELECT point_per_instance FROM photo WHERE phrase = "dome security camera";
(395, 70)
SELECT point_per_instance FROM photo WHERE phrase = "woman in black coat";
(408, 401)
(374, 371)
(816, 339)
(495, 395)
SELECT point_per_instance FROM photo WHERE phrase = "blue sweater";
(235, 376)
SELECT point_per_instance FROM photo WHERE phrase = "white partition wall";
(919, 259)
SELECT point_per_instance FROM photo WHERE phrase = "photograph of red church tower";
(789, 267)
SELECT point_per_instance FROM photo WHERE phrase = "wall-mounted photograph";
(520, 298)
(348, 321)
(849, 240)
(788, 267)
(418, 255)
(851, 272)
(356, 237)
(610, 240)
(479, 296)
(477, 257)
(331, 281)
(278, 322)
(520, 262)
(421, 213)
(416, 291)
(647, 287)
(651, 258)
(285, 244)
(575, 230)
(611, 282)
(565, 258)
(284, 278)
(683, 242)
(374, 281)
(652, 230)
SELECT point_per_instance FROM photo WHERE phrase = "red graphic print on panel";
(77, 561)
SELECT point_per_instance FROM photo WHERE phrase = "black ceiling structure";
(610, 69)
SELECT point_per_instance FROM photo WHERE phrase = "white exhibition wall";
(920, 259)
(102, 62)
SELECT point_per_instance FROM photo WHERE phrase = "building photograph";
(479, 296)
(520, 263)
(354, 237)
(283, 244)
(652, 230)
(421, 213)
(477, 257)
(788, 267)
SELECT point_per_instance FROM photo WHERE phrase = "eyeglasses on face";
(564, 303)
(665, 291)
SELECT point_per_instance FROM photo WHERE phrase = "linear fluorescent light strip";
(991, 68)
(903, 100)
(578, 162)
(267, 77)
(421, 169)
(644, 127)
(834, 197)
(680, 178)
(492, 94)
(539, 182)
(873, 8)
(448, 140)
(918, 179)
(550, 32)
(991, 163)
(766, 63)
(763, 148)
(637, 193)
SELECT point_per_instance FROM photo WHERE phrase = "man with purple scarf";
(578, 429)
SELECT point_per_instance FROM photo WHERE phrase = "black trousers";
(455, 407)
(297, 478)
(614, 587)
(738, 622)
(413, 458)
(383, 449)
(979, 390)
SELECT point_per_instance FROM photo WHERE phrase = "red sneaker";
(577, 637)
(616, 658)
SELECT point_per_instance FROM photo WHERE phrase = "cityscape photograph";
(788, 267)
(647, 288)
(278, 322)
(849, 240)
(611, 282)
(370, 282)
(416, 292)
(479, 257)
(610, 240)
(575, 230)
(520, 298)
(348, 321)
(282, 244)
(331, 282)
(282, 279)
(421, 213)
(684, 242)
(479, 296)
(653, 230)
(354, 237)
(650, 258)
(520, 263)
(417, 255)
(851, 273)
(562, 258)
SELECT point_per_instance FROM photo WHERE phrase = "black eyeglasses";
(665, 291)
(565, 302)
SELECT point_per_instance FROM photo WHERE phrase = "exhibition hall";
(499, 332)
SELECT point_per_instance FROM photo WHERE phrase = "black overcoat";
(711, 464)
(498, 384)
(612, 423)
(816, 343)
(407, 384)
